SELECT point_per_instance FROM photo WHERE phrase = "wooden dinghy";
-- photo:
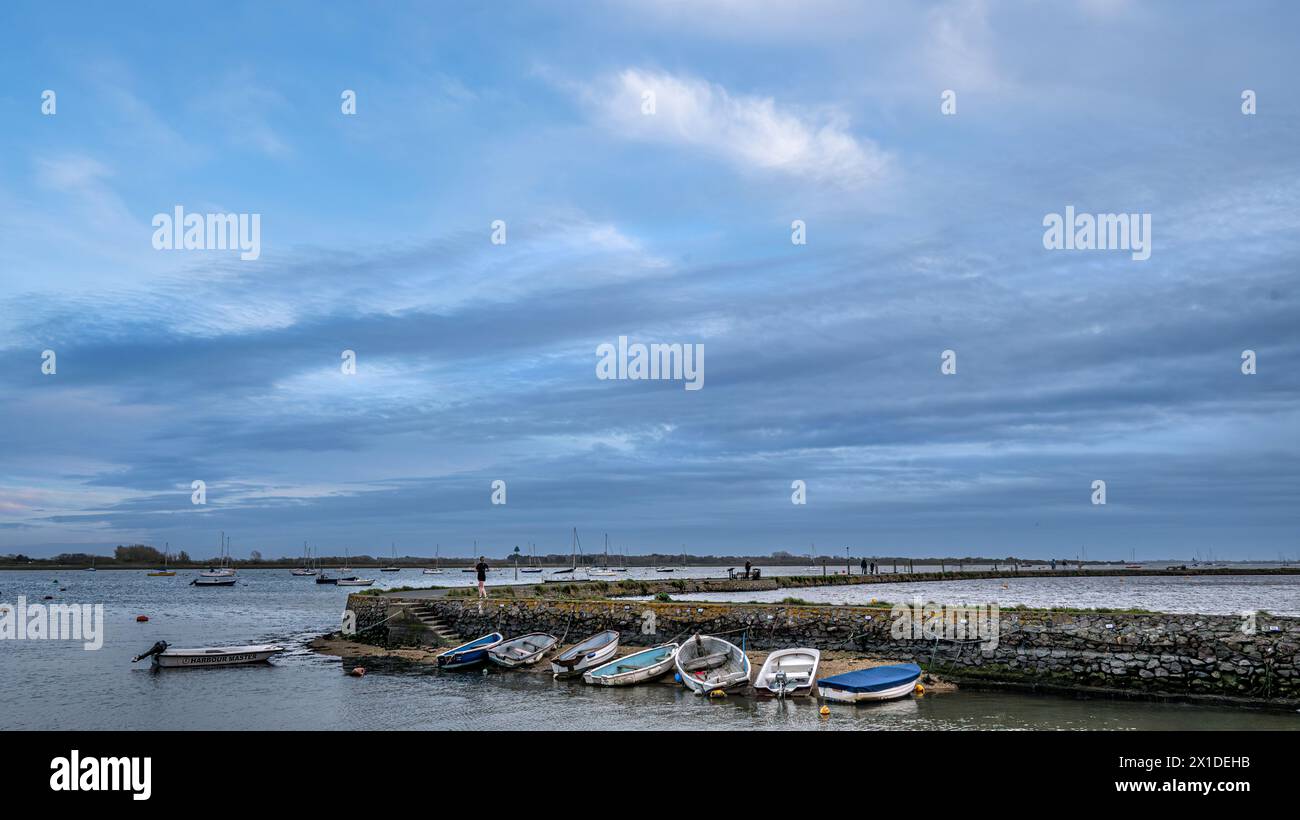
(166, 657)
(525, 650)
(876, 683)
(788, 672)
(469, 654)
(638, 667)
(583, 656)
(707, 664)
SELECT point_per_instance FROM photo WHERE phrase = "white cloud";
(750, 131)
(960, 53)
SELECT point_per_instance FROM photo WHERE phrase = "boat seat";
(705, 662)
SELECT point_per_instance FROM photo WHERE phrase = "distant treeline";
(143, 555)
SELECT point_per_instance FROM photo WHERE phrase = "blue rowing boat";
(876, 683)
(469, 654)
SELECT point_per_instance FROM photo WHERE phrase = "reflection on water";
(58, 685)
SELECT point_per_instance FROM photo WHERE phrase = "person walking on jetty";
(481, 568)
(747, 567)
(864, 566)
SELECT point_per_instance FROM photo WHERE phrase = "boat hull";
(607, 674)
(800, 667)
(506, 653)
(733, 673)
(588, 654)
(860, 687)
(469, 654)
(213, 582)
(215, 656)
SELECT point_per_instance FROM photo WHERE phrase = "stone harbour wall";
(1127, 653)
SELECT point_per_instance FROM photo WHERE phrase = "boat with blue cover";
(638, 667)
(469, 654)
(876, 683)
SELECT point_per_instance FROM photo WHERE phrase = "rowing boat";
(469, 654)
(788, 672)
(168, 658)
(525, 650)
(638, 667)
(707, 664)
(583, 656)
(875, 683)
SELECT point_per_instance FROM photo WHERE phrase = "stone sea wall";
(1159, 655)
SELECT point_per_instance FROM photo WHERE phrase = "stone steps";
(435, 624)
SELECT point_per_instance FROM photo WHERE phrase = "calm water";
(58, 685)
(1279, 594)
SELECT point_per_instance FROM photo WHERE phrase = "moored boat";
(638, 667)
(583, 656)
(525, 650)
(788, 672)
(875, 683)
(170, 658)
(354, 582)
(708, 664)
(469, 654)
(213, 581)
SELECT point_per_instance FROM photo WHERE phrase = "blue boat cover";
(873, 680)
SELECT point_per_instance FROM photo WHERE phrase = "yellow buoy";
(717, 693)
(920, 690)
(825, 710)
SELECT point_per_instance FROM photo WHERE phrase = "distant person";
(1053, 564)
(481, 568)
(864, 566)
(747, 566)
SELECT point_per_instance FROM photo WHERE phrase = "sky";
(476, 361)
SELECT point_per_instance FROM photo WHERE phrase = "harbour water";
(59, 685)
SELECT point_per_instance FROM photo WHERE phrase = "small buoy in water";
(677, 677)
(63, 589)
(825, 711)
(141, 618)
(717, 693)
(358, 672)
(920, 689)
(48, 598)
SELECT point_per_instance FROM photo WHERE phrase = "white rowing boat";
(583, 656)
(355, 582)
(525, 650)
(788, 672)
(707, 664)
(169, 658)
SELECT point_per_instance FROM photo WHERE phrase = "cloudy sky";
(477, 361)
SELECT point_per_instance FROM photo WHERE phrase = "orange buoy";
(825, 711)
(358, 671)
(141, 618)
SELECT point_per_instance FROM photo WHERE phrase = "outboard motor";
(156, 649)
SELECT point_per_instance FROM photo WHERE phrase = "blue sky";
(476, 361)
